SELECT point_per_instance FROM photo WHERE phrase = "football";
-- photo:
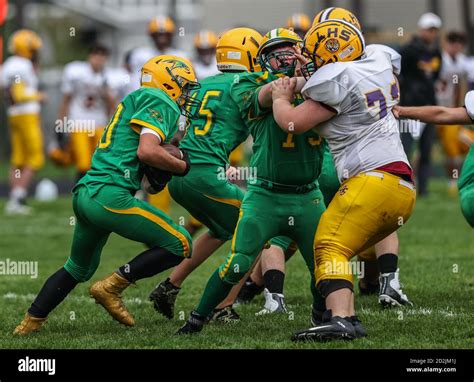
(173, 150)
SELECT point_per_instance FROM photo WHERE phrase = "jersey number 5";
(206, 113)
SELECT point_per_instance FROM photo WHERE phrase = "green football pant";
(114, 209)
(467, 203)
(328, 180)
(210, 198)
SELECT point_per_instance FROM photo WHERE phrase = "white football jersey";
(203, 71)
(20, 70)
(141, 55)
(452, 72)
(364, 134)
(87, 90)
(469, 103)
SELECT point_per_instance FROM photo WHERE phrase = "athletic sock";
(18, 194)
(54, 290)
(216, 290)
(149, 263)
(388, 263)
(274, 280)
(319, 302)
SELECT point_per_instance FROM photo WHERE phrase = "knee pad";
(80, 273)
(235, 267)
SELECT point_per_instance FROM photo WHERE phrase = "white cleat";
(14, 207)
(274, 303)
(391, 293)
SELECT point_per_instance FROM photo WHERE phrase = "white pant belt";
(381, 175)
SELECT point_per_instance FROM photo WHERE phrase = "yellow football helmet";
(331, 41)
(205, 39)
(286, 60)
(161, 24)
(237, 50)
(299, 22)
(24, 43)
(336, 13)
(175, 76)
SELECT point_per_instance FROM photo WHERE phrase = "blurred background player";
(19, 77)
(455, 139)
(205, 64)
(86, 106)
(421, 65)
(299, 23)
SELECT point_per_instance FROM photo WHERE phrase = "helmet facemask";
(278, 60)
(186, 101)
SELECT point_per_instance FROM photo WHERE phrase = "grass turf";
(437, 269)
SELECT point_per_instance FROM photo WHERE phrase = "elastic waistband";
(380, 174)
(286, 188)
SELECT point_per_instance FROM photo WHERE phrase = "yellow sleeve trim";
(150, 126)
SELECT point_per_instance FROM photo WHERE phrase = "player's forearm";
(265, 96)
(300, 83)
(435, 114)
(156, 156)
(284, 114)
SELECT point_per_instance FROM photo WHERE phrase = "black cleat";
(164, 298)
(359, 329)
(370, 288)
(248, 292)
(332, 328)
(193, 325)
(391, 293)
(316, 317)
(226, 315)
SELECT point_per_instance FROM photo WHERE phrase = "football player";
(283, 198)
(205, 64)
(456, 139)
(86, 105)
(206, 192)
(103, 200)
(350, 94)
(380, 262)
(19, 76)
(451, 116)
(299, 23)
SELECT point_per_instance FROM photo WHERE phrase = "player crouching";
(103, 200)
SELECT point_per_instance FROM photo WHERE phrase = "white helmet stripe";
(326, 12)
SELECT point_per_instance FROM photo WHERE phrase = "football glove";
(156, 177)
(188, 163)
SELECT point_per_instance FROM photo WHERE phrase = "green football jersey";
(218, 128)
(278, 157)
(467, 171)
(115, 159)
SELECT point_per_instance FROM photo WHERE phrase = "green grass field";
(437, 270)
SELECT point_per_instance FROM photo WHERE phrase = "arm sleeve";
(328, 92)
(151, 112)
(245, 95)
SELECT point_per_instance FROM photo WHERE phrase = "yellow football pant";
(26, 141)
(366, 209)
(83, 145)
(161, 200)
(450, 136)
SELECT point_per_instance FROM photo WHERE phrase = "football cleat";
(248, 291)
(15, 207)
(193, 325)
(316, 317)
(369, 288)
(226, 315)
(274, 303)
(107, 292)
(359, 329)
(333, 328)
(391, 293)
(164, 298)
(29, 324)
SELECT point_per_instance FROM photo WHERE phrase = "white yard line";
(31, 296)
